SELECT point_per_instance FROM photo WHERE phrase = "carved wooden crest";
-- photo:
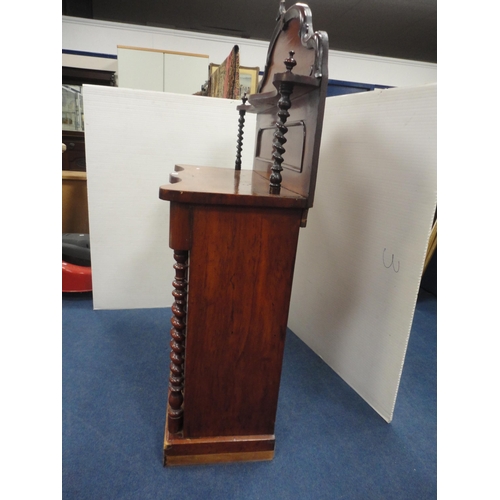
(290, 103)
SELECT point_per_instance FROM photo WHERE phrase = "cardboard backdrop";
(133, 140)
(361, 255)
(360, 258)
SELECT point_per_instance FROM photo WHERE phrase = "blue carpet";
(329, 443)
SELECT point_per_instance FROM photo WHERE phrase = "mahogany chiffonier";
(234, 234)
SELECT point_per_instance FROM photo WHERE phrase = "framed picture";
(249, 78)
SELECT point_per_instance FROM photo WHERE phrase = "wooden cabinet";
(234, 235)
(234, 269)
(73, 158)
(75, 218)
(75, 210)
(73, 137)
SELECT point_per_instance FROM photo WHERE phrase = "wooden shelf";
(75, 212)
(223, 186)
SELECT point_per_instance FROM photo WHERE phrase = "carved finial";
(290, 63)
(244, 99)
(281, 10)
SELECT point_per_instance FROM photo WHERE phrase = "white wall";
(103, 37)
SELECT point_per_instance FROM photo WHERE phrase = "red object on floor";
(76, 278)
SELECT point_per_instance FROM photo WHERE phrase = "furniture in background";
(224, 79)
(74, 157)
(234, 234)
(73, 125)
(248, 80)
(161, 70)
(76, 271)
(75, 211)
(75, 217)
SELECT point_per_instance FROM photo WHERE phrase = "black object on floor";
(76, 249)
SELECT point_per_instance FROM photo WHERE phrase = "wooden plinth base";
(180, 451)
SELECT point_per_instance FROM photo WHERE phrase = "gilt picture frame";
(249, 78)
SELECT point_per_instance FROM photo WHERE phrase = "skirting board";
(216, 450)
(360, 257)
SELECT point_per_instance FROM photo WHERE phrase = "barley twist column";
(241, 123)
(284, 104)
(177, 344)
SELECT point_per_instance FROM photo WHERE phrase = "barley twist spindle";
(284, 104)
(241, 123)
(177, 344)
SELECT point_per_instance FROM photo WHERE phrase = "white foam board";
(360, 258)
(133, 140)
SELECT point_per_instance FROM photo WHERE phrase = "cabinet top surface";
(225, 186)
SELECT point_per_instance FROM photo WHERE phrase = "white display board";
(133, 140)
(360, 257)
